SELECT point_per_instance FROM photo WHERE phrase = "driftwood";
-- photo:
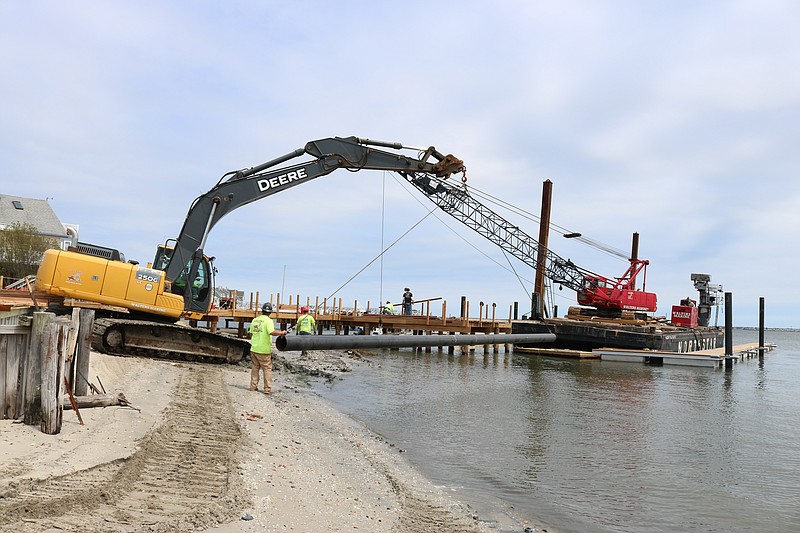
(98, 400)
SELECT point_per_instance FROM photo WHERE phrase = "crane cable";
(383, 252)
(512, 270)
(404, 184)
(605, 248)
(519, 211)
(383, 218)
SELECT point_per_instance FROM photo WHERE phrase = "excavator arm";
(241, 187)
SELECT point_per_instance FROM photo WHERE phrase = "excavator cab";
(196, 292)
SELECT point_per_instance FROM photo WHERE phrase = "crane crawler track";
(162, 340)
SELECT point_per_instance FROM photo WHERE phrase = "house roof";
(38, 213)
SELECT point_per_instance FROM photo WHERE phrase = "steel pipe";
(347, 342)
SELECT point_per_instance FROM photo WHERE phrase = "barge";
(588, 335)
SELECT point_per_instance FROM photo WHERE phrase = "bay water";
(594, 446)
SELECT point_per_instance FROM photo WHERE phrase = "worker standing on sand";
(262, 329)
(408, 300)
(306, 325)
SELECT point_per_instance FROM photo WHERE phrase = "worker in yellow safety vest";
(306, 325)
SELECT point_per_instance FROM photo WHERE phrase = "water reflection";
(596, 446)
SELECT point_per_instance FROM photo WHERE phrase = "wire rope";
(383, 252)
(605, 248)
(383, 220)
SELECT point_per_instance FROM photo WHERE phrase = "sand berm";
(200, 452)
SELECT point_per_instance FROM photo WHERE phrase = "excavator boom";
(179, 282)
(241, 187)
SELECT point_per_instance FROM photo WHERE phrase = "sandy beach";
(200, 452)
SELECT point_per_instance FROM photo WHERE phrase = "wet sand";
(204, 453)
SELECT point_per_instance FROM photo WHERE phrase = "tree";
(21, 249)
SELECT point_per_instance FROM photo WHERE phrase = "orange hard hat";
(304, 309)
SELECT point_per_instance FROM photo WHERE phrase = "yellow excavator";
(179, 282)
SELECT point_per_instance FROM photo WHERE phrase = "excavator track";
(165, 341)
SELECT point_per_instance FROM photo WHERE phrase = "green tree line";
(21, 249)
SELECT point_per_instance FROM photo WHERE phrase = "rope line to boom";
(404, 185)
(382, 252)
(383, 218)
(511, 270)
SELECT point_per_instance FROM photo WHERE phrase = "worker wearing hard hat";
(388, 308)
(306, 325)
(262, 329)
(408, 301)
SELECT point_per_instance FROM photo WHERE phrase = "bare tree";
(21, 249)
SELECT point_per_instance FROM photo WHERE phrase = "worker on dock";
(262, 329)
(408, 301)
(306, 324)
(388, 308)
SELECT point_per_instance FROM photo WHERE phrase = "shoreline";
(289, 461)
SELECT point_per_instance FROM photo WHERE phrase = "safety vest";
(261, 329)
(306, 324)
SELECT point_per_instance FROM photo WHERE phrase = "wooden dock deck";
(344, 321)
(347, 323)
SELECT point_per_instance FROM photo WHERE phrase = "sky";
(675, 120)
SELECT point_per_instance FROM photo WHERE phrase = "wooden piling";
(728, 324)
(761, 347)
(54, 341)
(83, 350)
(14, 348)
(32, 386)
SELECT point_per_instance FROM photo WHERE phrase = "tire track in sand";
(184, 476)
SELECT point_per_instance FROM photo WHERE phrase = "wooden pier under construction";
(430, 317)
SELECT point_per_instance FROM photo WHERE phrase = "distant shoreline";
(755, 328)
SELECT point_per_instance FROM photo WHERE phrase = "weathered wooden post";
(32, 385)
(72, 342)
(54, 344)
(82, 354)
(12, 351)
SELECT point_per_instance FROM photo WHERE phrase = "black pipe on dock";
(347, 342)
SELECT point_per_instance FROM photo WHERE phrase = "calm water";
(590, 446)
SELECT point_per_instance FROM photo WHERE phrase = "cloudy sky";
(677, 120)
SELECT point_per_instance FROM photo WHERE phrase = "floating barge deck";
(715, 358)
(588, 335)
